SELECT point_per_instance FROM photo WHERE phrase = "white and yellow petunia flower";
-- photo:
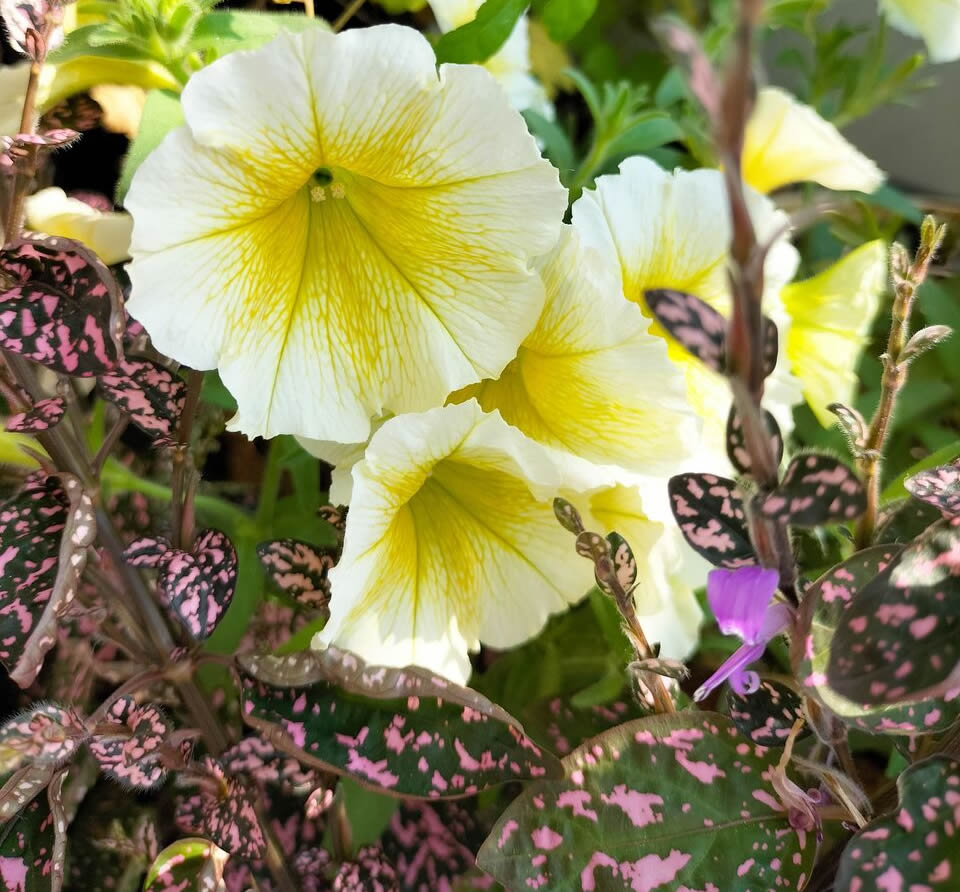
(451, 541)
(668, 570)
(510, 65)
(589, 380)
(935, 22)
(788, 142)
(341, 230)
(672, 230)
(106, 233)
(831, 315)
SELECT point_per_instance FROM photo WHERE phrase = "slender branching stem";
(907, 279)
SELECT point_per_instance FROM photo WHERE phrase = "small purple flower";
(741, 602)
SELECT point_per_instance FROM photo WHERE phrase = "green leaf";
(915, 846)
(834, 594)
(161, 114)
(896, 489)
(897, 639)
(478, 40)
(565, 18)
(215, 392)
(88, 41)
(671, 802)
(554, 141)
(227, 30)
(404, 731)
(189, 865)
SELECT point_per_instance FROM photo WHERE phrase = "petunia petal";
(831, 314)
(788, 142)
(451, 540)
(583, 379)
(739, 599)
(671, 230)
(359, 216)
(936, 22)
(106, 233)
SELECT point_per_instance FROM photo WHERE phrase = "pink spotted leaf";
(368, 871)
(898, 640)
(710, 513)
(150, 394)
(693, 323)
(852, 425)
(26, 848)
(263, 762)
(44, 415)
(939, 487)
(188, 865)
(198, 587)
(45, 735)
(432, 845)
(701, 330)
(833, 596)
(405, 731)
(149, 552)
(44, 534)
(299, 570)
(127, 745)
(736, 446)
(767, 715)
(60, 306)
(913, 847)
(568, 516)
(816, 489)
(22, 786)
(222, 809)
(671, 802)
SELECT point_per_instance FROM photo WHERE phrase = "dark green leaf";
(767, 715)
(479, 39)
(670, 802)
(405, 731)
(833, 595)
(898, 640)
(915, 847)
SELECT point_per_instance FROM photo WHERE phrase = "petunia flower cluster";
(371, 252)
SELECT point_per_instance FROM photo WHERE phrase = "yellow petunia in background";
(831, 315)
(788, 142)
(672, 230)
(337, 233)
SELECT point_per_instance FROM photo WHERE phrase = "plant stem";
(179, 509)
(906, 282)
(270, 485)
(346, 15)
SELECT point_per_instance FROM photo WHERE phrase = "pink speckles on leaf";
(150, 394)
(903, 851)
(300, 570)
(332, 711)
(197, 586)
(60, 306)
(939, 487)
(816, 489)
(710, 513)
(44, 415)
(633, 810)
